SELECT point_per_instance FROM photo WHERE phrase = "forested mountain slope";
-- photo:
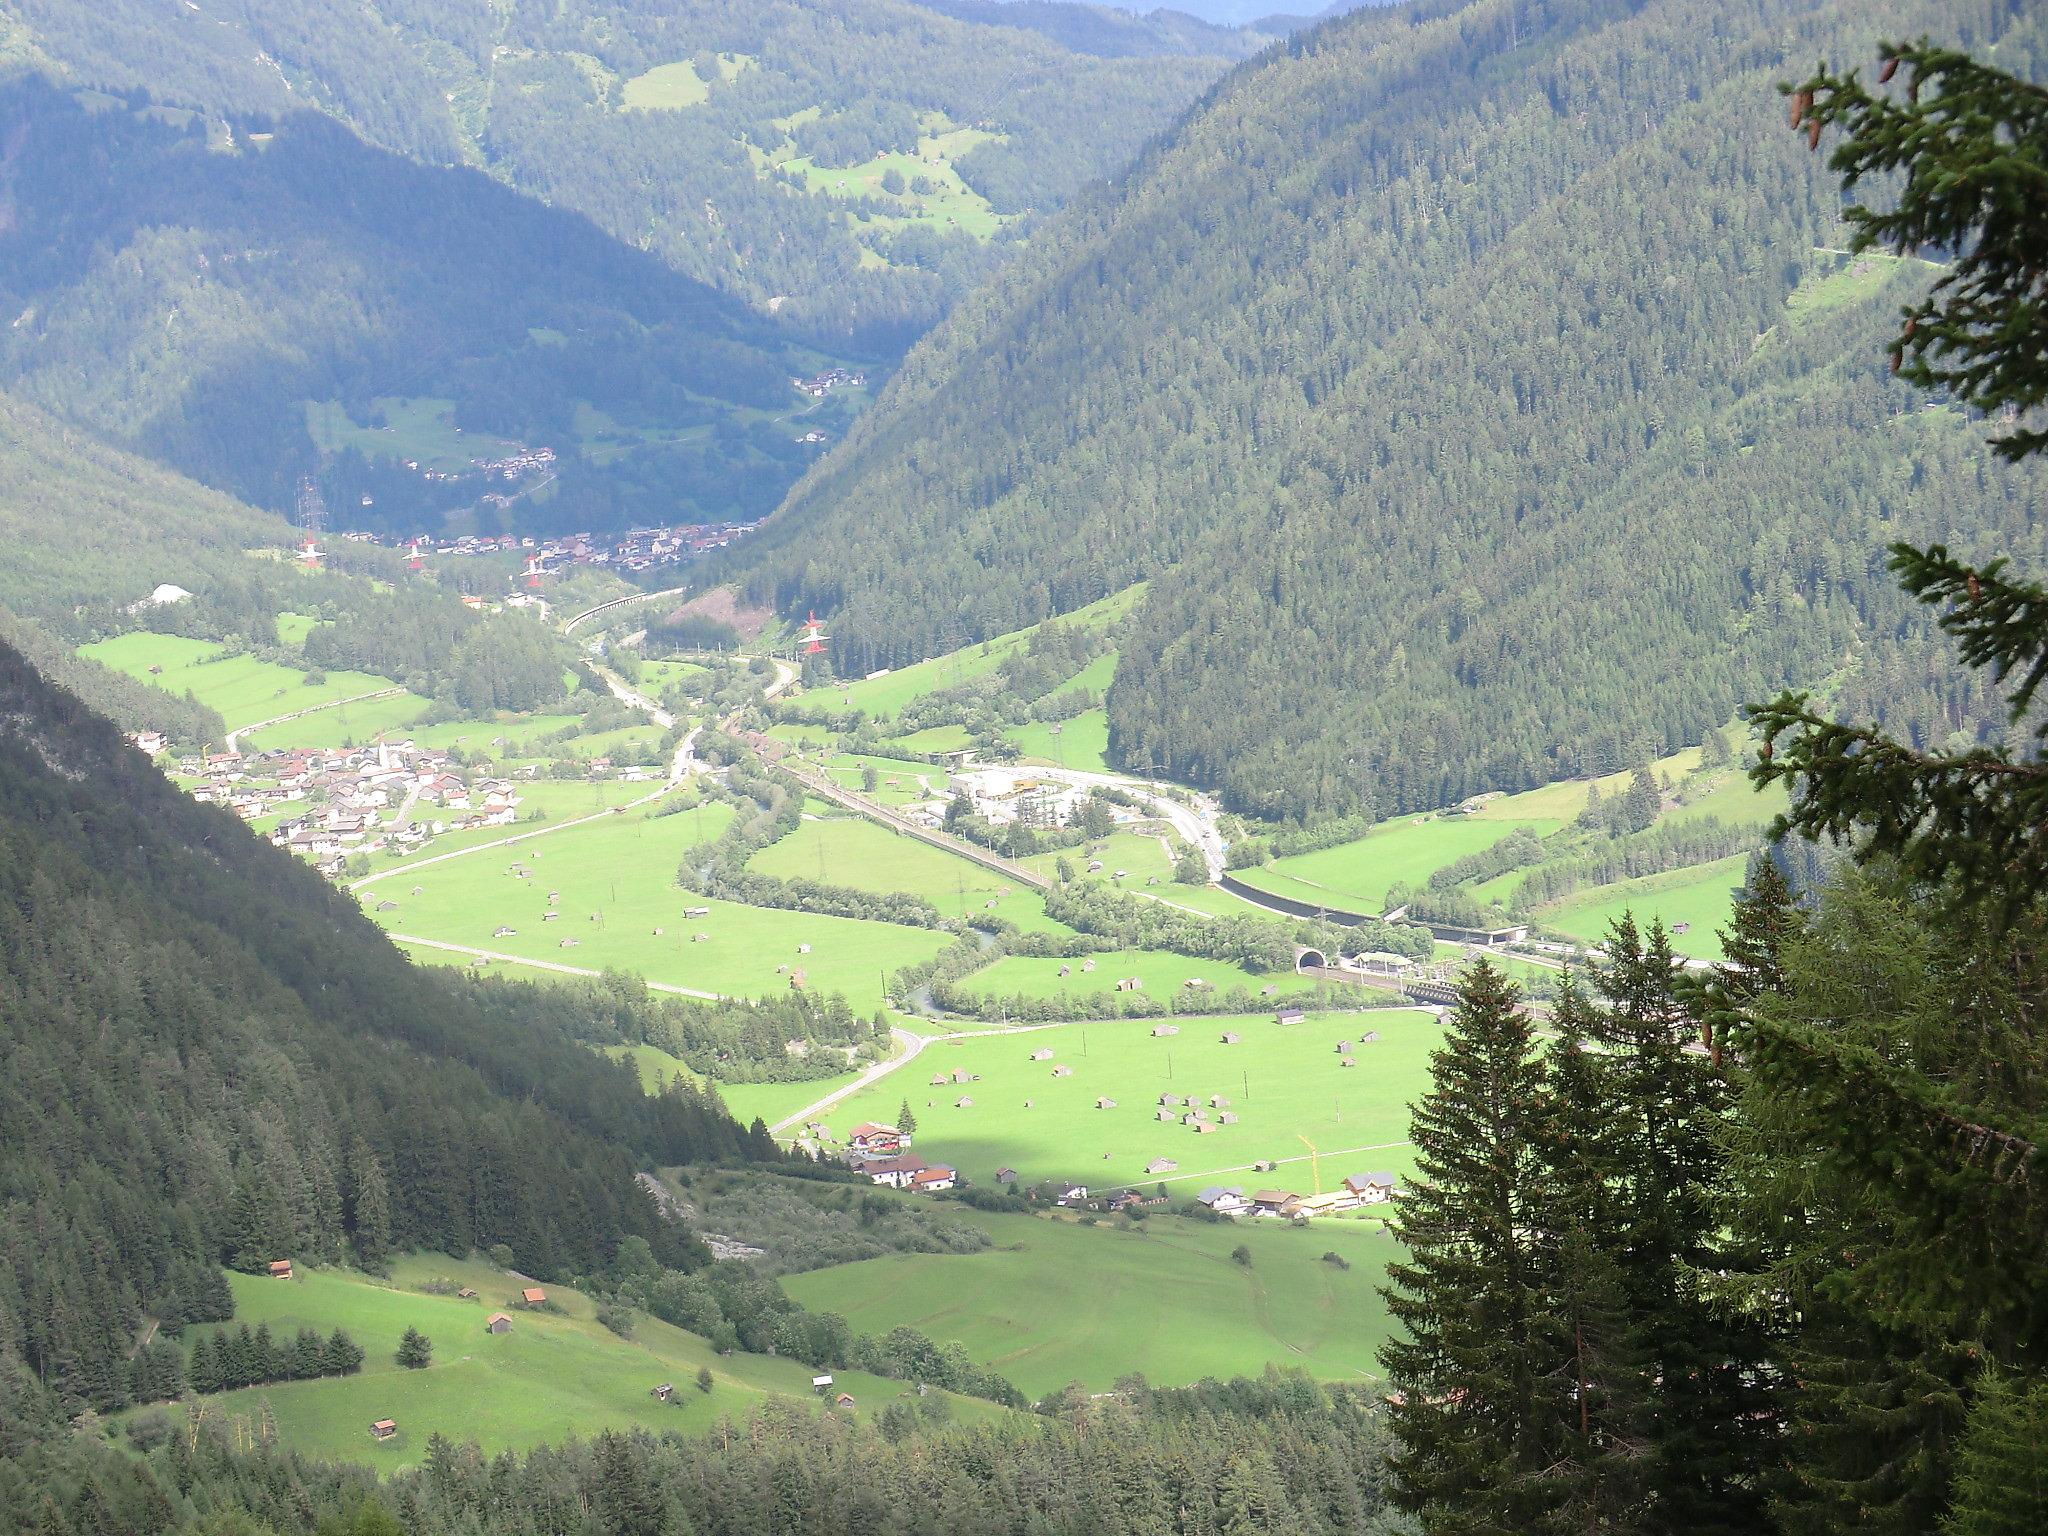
(741, 141)
(208, 1055)
(1478, 386)
(254, 302)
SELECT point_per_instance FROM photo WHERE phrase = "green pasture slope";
(1057, 1302)
(850, 850)
(1284, 1084)
(1358, 874)
(242, 688)
(1701, 897)
(344, 725)
(1081, 742)
(617, 879)
(553, 1376)
(883, 697)
(771, 1102)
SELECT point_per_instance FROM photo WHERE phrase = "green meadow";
(1077, 743)
(242, 688)
(1138, 854)
(1161, 972)
(772, 1102)
(558, 800)
(344, 725)
(898, 781)
(617, 879)
(1284, 1084)
(883, 697)
(950, 203)
(1701, 897)
(1359, 873)
(664, 88)
(850, 850)
(1056, 1302)
(553, 1376)
(421, 428)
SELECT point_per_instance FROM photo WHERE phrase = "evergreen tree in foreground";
(1895, 1093)
(1472, 1458)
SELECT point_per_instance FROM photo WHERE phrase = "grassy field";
(1359, 873)
(1701, 897)
(421, 428)
(935, 738)
(1283, 1084)
(623, 870)
(1138, 854)
(551, 1377)
(504, 736)
(849, 850)
(1162, 971)
(1056, 1302)
(950, 203)
(656, 1067)
(242, 688)
(346, 725)
(560, 800)
(882, 697)
(666, 87)
(772, 1101)
(1076, 743)
(913, 781)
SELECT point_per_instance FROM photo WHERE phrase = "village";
(637, 549)
(334, 803)
(882, 1153)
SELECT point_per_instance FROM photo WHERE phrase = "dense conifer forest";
(539, 95)
(211, 1057)
(1486, 390)
(190, 290)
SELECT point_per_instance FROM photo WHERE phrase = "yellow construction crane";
(1315, 1162)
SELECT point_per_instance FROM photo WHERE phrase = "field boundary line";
(506, 842)
(311, 709)
(550, 965)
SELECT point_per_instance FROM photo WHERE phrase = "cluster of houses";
(819, 385)
(638, 549)
(882, 1152)
(338, 801)
(1357, 1191)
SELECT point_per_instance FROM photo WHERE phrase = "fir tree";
(370, 1208)
(906, 1122)
(2002, 1465)
(1472, 1456)
(1666, 1108)
(1596, 1383)
(415, 1350)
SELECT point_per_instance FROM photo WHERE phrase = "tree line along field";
(884, 697)
(617, 879)
(1359, 874)
(1056, 1302)
(1161, 973)
(836, 848)
(1284, 1084)
(555, 1374)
